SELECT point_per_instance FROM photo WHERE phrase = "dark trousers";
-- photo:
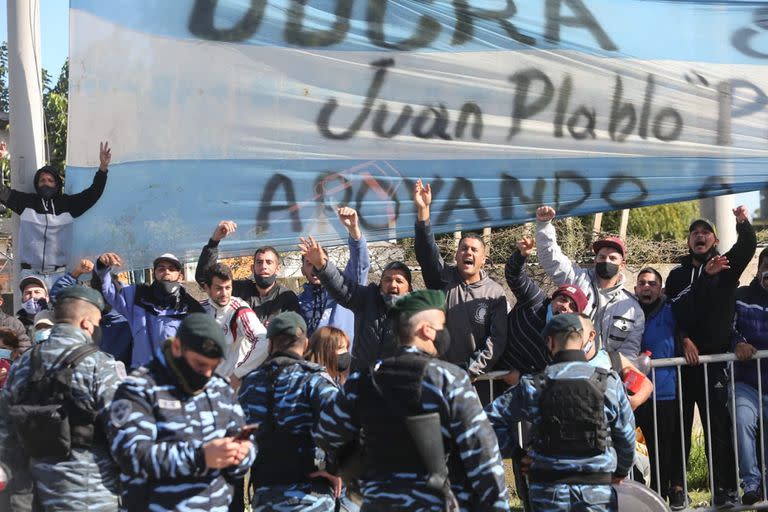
(719, 417)
(668, 452)
(238, 496)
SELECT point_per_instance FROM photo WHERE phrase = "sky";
(54, 42)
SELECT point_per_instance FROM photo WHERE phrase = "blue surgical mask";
(32, 306)
(550, 314)
(41, 335)
(5, 354)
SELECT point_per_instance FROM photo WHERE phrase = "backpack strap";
(615, 358)
(240, 311)
(75, 356)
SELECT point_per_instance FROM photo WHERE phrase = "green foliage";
(660, 222)
(55, 106)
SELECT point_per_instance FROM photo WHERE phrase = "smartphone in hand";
(246, 431)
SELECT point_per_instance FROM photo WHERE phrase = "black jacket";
(710, 327)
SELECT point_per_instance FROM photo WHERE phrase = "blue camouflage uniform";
(156, 434)
(88, 479)
(522, 403)
(475, 469)
(296, 391)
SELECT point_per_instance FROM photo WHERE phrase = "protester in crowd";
(46, 217)
(263, 293)
(374, 338)
(154, 311)
(34, 298)
(476, 311)
(526, 350)
(67, 455)
(116, 338)
(317, 307)
(285, 396)
(572, 468)
(750, 335)
(329, 347)
(615, 311)
(708, 332)
(44, 322)
(403, 466)
(15, 325)
(244, 335)
(174, 425)
(10, 351)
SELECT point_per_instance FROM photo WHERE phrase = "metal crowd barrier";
(705, 361)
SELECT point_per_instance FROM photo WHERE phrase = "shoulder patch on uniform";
(119, 412)
(168, 404)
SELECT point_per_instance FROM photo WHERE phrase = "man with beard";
(45, 226)
(174, 426)
(317, 307)
(476, 307)
(374, 339)
(615, 312)
(154, 311)
(263, 293)
(708, 332)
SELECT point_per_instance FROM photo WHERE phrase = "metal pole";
(708, 433)
(733, 419)
(26, 105)
(656, 435)
(682, 431)
(762, 426)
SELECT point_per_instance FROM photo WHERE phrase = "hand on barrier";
(690, 351)
(744, 351)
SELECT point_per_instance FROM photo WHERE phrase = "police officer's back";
(583, 435)
(401, 404)
(172, 426)
(55, 406)
(285, 396)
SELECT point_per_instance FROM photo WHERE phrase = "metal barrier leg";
(708, 433)
(490, 389)
(682, 431)
(734, 430)
(656, 450)
(762, 426)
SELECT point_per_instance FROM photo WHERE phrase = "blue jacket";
(116, 338)
(151, 322)
(522, 403)
(157, 432)
(315, 300)
(751, 326)
(659, 339)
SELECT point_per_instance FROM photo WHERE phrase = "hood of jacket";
(52, 171)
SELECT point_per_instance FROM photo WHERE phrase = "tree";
(660, 222)
(55, 107)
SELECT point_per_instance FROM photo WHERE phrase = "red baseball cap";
(612, 241)
(574, 293)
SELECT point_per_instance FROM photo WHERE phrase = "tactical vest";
(572, 416)
(388, 446)
(283, 458)
(47, 419)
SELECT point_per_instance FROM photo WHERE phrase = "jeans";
(747, 423)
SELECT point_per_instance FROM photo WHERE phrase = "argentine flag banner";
(273, 113)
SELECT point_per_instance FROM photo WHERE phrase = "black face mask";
(344, 361)
(166, 288)
(703, 258)
(46, 192)
(96, 336)
(264, 282)
(190, 381)
(442, 341)
(606, 270)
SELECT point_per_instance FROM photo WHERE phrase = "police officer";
(404, 402)
(285, 396)
(174, 426)
(70, 383)
(583, 429)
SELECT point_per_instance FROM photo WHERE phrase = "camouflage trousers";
(290, 499)
(573, 497)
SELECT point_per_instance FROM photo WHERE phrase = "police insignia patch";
(119, 412)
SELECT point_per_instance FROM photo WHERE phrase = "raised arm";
(81, 202)
(346, 291)
(427, 252)
(525, 289)
(117, 298)
(359, 260)
(557, 265)
(746, 243)
(210, 253)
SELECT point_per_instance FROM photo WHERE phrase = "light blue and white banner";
(272, 113)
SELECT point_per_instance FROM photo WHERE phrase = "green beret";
(420, 300)
(288, 323)
(564, 322)
(200, 333)
(85, 293)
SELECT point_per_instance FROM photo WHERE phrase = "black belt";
(568, 477)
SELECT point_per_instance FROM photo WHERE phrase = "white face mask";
(588, 346)
(32, 306)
